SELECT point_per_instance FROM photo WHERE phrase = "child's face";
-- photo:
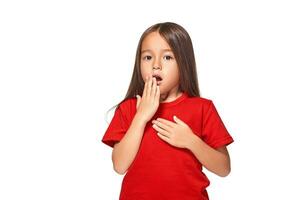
(157, 58)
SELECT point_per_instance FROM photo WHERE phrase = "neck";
(169, 96)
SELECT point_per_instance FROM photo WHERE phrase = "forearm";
(213, 160)
(125, 151)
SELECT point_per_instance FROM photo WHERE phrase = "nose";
(156, 64)
(156, 67)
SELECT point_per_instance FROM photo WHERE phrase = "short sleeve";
(117, 127)
(214, 132)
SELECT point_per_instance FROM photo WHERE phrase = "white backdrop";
(65, 63)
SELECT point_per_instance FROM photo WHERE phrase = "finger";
(149, 86)
(163, 137)
(160, 130)
(157, 93)
(138, 101)
(178, 121)
(153, 89)
(162, 125)
(145, 86)
(167, 122)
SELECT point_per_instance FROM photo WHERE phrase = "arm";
(215, 160)
(125, 151)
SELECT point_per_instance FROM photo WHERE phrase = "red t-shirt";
(161, 171)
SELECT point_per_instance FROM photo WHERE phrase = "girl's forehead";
(154, 42)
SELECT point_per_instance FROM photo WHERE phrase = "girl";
(163, 132)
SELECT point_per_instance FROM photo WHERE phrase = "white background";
(65, 63)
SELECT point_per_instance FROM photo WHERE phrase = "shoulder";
(128, 105)
(203, 102)
(126, 109)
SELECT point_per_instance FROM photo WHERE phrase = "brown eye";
(168, 57)
(147, 57)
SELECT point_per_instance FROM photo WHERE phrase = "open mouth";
(158, 78)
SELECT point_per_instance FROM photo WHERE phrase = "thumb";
(138, 101)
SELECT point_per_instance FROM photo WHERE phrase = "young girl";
(163, 132)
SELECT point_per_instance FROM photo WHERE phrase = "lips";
(158, 77)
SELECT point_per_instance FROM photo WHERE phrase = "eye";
(168, 57)
(147, 57)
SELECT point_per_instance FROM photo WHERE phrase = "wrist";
(139, 117)
(193, 140)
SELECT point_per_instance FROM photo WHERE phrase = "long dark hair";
(181, 45)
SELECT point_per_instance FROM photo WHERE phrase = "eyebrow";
(150, 50)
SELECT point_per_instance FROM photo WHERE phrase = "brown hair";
(181, 44)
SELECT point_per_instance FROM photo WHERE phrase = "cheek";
(144, 73)
(173, 73)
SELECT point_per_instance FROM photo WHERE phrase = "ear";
(178, 121)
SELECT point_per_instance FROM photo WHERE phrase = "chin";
(163, 93)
